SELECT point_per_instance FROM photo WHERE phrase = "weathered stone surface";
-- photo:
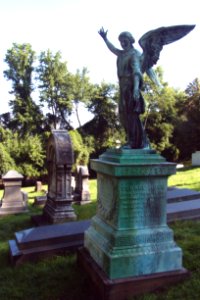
(184, 210)
(175, 194)
(43, 241)
(129, 235)
(104, 288)
(37, 242)
(196, 158)
(14, 200)
(38, 186)
(81, 194)
(60, 157)
(40, 200)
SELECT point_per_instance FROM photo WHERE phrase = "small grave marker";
(14, 200)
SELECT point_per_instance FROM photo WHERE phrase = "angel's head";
(126, 39)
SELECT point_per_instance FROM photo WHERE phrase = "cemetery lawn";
(59, 278)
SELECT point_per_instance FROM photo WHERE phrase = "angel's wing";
(153, 41)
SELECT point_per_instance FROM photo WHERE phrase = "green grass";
(59, 278)
(186, 178)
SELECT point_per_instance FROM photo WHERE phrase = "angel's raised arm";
(110, 46)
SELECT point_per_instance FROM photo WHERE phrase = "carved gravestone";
(14, 200)
(82, 194)
(60, 158)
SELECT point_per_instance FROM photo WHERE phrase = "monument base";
(128, 236)
(4, 211)
(83, 199)
(57, 211)
(44, 241)
(121, 289)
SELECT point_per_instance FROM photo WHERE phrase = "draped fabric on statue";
(129, 112)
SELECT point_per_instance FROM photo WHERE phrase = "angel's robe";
(128, 66)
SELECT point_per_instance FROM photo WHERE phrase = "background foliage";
(45, 94)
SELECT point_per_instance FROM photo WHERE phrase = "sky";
(71, 27)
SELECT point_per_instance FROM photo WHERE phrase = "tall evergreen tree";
(82, 91)
(187, 131)
(105, 126)
(55, 85)
(26, 115)
(160, 116)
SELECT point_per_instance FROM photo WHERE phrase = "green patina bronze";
(129, 235)
(131, 65)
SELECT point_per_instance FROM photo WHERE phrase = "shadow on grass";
(58, 278)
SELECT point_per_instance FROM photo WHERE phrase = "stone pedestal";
(129, 236)
(103, 288)
(14, 200)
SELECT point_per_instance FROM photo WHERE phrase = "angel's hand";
(103, 33)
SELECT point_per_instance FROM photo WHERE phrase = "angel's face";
(125, 43)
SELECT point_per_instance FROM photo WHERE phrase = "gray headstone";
(60, 158)
(14, 200)
(196, 158)
(82, 193)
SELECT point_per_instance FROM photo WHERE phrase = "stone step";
(30, 244)
(185, 210)
(175, 194)
(46, 240)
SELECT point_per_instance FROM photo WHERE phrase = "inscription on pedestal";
(106, 200)
(129, 235)
(138, 169)
(143, 201)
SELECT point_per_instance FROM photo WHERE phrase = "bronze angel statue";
(131, 65)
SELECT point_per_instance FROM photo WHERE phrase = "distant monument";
(81, 193)
(79, 188)
(14, 200)
(196, 159)
(60, 158)
(38, 186)
(129, 248)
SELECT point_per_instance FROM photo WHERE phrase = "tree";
(104, 127)
(26, 114)
(28, 154)
(6, 162)
(24, 154)
(187, 131)
(82, 148)
(5, 120)
(82, 90)
(160, 116)
(55, 85)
